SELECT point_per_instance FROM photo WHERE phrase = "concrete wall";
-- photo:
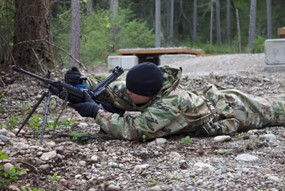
(126, 62)
(168, 59)
(274, 54)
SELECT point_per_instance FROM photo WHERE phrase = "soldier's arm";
(156, 121)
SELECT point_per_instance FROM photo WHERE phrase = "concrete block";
(275, 52)
(126, 62)
(168, 59)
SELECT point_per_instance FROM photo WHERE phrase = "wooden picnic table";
(152, 54)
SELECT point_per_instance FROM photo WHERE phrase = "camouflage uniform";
(176, 109)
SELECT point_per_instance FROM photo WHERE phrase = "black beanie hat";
(144, 79)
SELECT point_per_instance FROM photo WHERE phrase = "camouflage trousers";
(233, 111)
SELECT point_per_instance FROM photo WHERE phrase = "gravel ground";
(248, 161)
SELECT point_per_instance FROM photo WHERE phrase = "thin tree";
(211, 22)
(75, 34)
(194, 22)
(269, 19)
(114, 8)
(218, 22)
(252, 23)
(229, 35)
(89, 7)
(238, 30)
(32, 35)
(170, 19)
(157, 23)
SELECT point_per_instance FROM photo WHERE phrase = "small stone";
(82, 163)
(222, 138)
(50, 143)
(94, 158)
(273, 178)
(44, 167)
(8, 166)
(48, 155)
(155, 188)
(139, 168)
(202, 166)
(268, 137)
(246, 157)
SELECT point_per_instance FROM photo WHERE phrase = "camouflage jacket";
(177, 109)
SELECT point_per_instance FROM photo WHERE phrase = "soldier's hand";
(88, 108)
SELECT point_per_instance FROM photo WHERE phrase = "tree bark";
(229, 35)
(90, 7)
(195, 13)
(211, 22)
(32, 35)
(252, 23)
(170, 19)
(269, 19)
(238, 30)
(75, 34)
(218, 22)
(114, 8)
(157, 23)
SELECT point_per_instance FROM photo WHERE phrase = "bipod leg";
(32, 111)
(45, 116)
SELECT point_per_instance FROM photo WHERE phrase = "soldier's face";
(138, 99)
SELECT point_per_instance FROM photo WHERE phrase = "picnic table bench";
(281, 32)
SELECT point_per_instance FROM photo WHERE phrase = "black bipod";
(46, 94)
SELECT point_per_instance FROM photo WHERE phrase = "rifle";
(72, 94)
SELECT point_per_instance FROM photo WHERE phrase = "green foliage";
(29, 189)
(258, 45)
(238, 136)
(2, 108)
(82, 137)
(185, 141)
(12, 175)
(26, 107)
(61, 23)
(68, 123)
(13, 121)
(36, 122)
(97, 41)
(144, 138)
(6, 28)
(3, 155)
(136, 34)
(55, 177)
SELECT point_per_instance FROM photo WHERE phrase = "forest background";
(37, 33)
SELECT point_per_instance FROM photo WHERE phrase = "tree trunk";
(211, 22)
(194, 20)
(90, 7)
(229, 35)
(238, 31)
(157, 23)
(114, 8)
(269, 19)
(252, 23)
(170, 18)
(218, 22)
(75, 34)
(32, 35)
